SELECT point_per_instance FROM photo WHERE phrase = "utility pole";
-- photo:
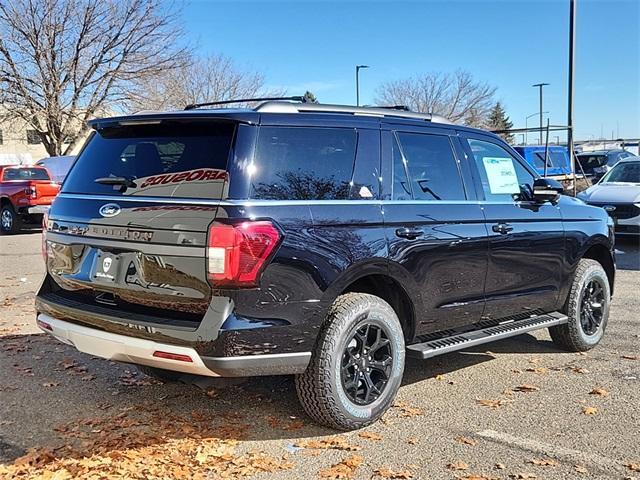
(540, 85)
(572, 59)
(358, 67)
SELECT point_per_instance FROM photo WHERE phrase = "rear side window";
(172, 159)
(304, 163)
(431, 166)
(25, 174)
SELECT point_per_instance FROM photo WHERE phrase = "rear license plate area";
(106, 267)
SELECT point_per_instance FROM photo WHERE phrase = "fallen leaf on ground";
(440, 376)
(491, 403)
(477, 477)
(385, 472)
(589, 410)
(523, 476)
(601, 392)
(343, 470)
(526, 388)
(407, 410)
(500, 466)
(370, 435)
(331, 443)
(412, 440)
(579, 370)
(538, 370)
(631, 357)
(50, 384)
(458, 466)
(294, 425)
(466, 441)
(543, 462)
(634, 467)
(580, 469)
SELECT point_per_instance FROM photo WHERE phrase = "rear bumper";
(127, 349)
(38, 209)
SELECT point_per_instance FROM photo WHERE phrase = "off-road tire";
(16, 222)
(165, 376)
(320, 389)
(571, 336)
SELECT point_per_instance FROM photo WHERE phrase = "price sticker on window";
(501, 175)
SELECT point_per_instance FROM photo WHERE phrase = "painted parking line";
(555, 451)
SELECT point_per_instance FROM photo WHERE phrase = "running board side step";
(465, 340)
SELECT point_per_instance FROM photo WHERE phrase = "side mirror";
(546, 190)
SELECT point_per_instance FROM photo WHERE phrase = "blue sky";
(510, 44)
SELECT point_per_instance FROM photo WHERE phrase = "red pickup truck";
(25, 195)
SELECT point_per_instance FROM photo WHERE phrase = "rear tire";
(165, 376)
(356, 368)
(587, 307)
(9, 220)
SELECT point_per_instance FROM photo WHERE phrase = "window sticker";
(501, 175)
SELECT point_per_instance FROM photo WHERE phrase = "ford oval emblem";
(109, 210)
(609, 208)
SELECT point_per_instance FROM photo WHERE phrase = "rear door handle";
(502, 228)
(410, 233)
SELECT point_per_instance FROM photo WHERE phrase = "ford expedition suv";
(322, 241)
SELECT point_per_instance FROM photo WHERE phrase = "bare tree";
(209, 79)
(457, 96)
(64, 61)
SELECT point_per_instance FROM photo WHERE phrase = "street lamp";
(526, 124)
(358, 67)
(540, 85)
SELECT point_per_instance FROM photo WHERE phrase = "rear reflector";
(173, 356)
(44, 325)
(237, 253)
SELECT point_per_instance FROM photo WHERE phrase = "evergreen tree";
(498, 120)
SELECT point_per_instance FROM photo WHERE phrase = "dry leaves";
(345, 469)
(631, 357)
(544, 462)
(538, 370)
(478, 477)
(413, 440)
(579, 370)
(385, 472)
(580, 469)
(589, 410)
(495, 404)
(370, 436)
(407, 410)
(526, 388)
(458, 466)
(50, 384)
(634, 467)
(523, 476)
(601, 392)
(330, 443)
(466, 441)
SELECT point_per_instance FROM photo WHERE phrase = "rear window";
(168, 160)
(556, 160)
(25, 174)
(304, 163)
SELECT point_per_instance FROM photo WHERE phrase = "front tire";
(357, 366)
(587, 307)
(9, 220)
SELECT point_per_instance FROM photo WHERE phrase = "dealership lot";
(519, 408)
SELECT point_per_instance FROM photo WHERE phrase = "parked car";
(558, 162)
(595, 164)
(323, 241)
(25, 195)
(618, 192)
(58, 166)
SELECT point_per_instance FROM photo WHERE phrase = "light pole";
(358, 67)
(540, 85)
(526, 124)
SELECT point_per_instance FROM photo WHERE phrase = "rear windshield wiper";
(121, 181)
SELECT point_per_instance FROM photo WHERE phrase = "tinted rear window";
(25, 174)
(302, 163)
(168, 160)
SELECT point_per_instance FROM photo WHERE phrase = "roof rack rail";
(286, 107)
(193, 106)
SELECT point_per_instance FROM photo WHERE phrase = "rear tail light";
(237, 253)
(31, 192)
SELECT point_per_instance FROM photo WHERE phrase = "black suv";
(323, 241)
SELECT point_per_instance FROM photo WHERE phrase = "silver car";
(618, 192)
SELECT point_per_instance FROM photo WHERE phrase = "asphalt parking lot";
(518, 409)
